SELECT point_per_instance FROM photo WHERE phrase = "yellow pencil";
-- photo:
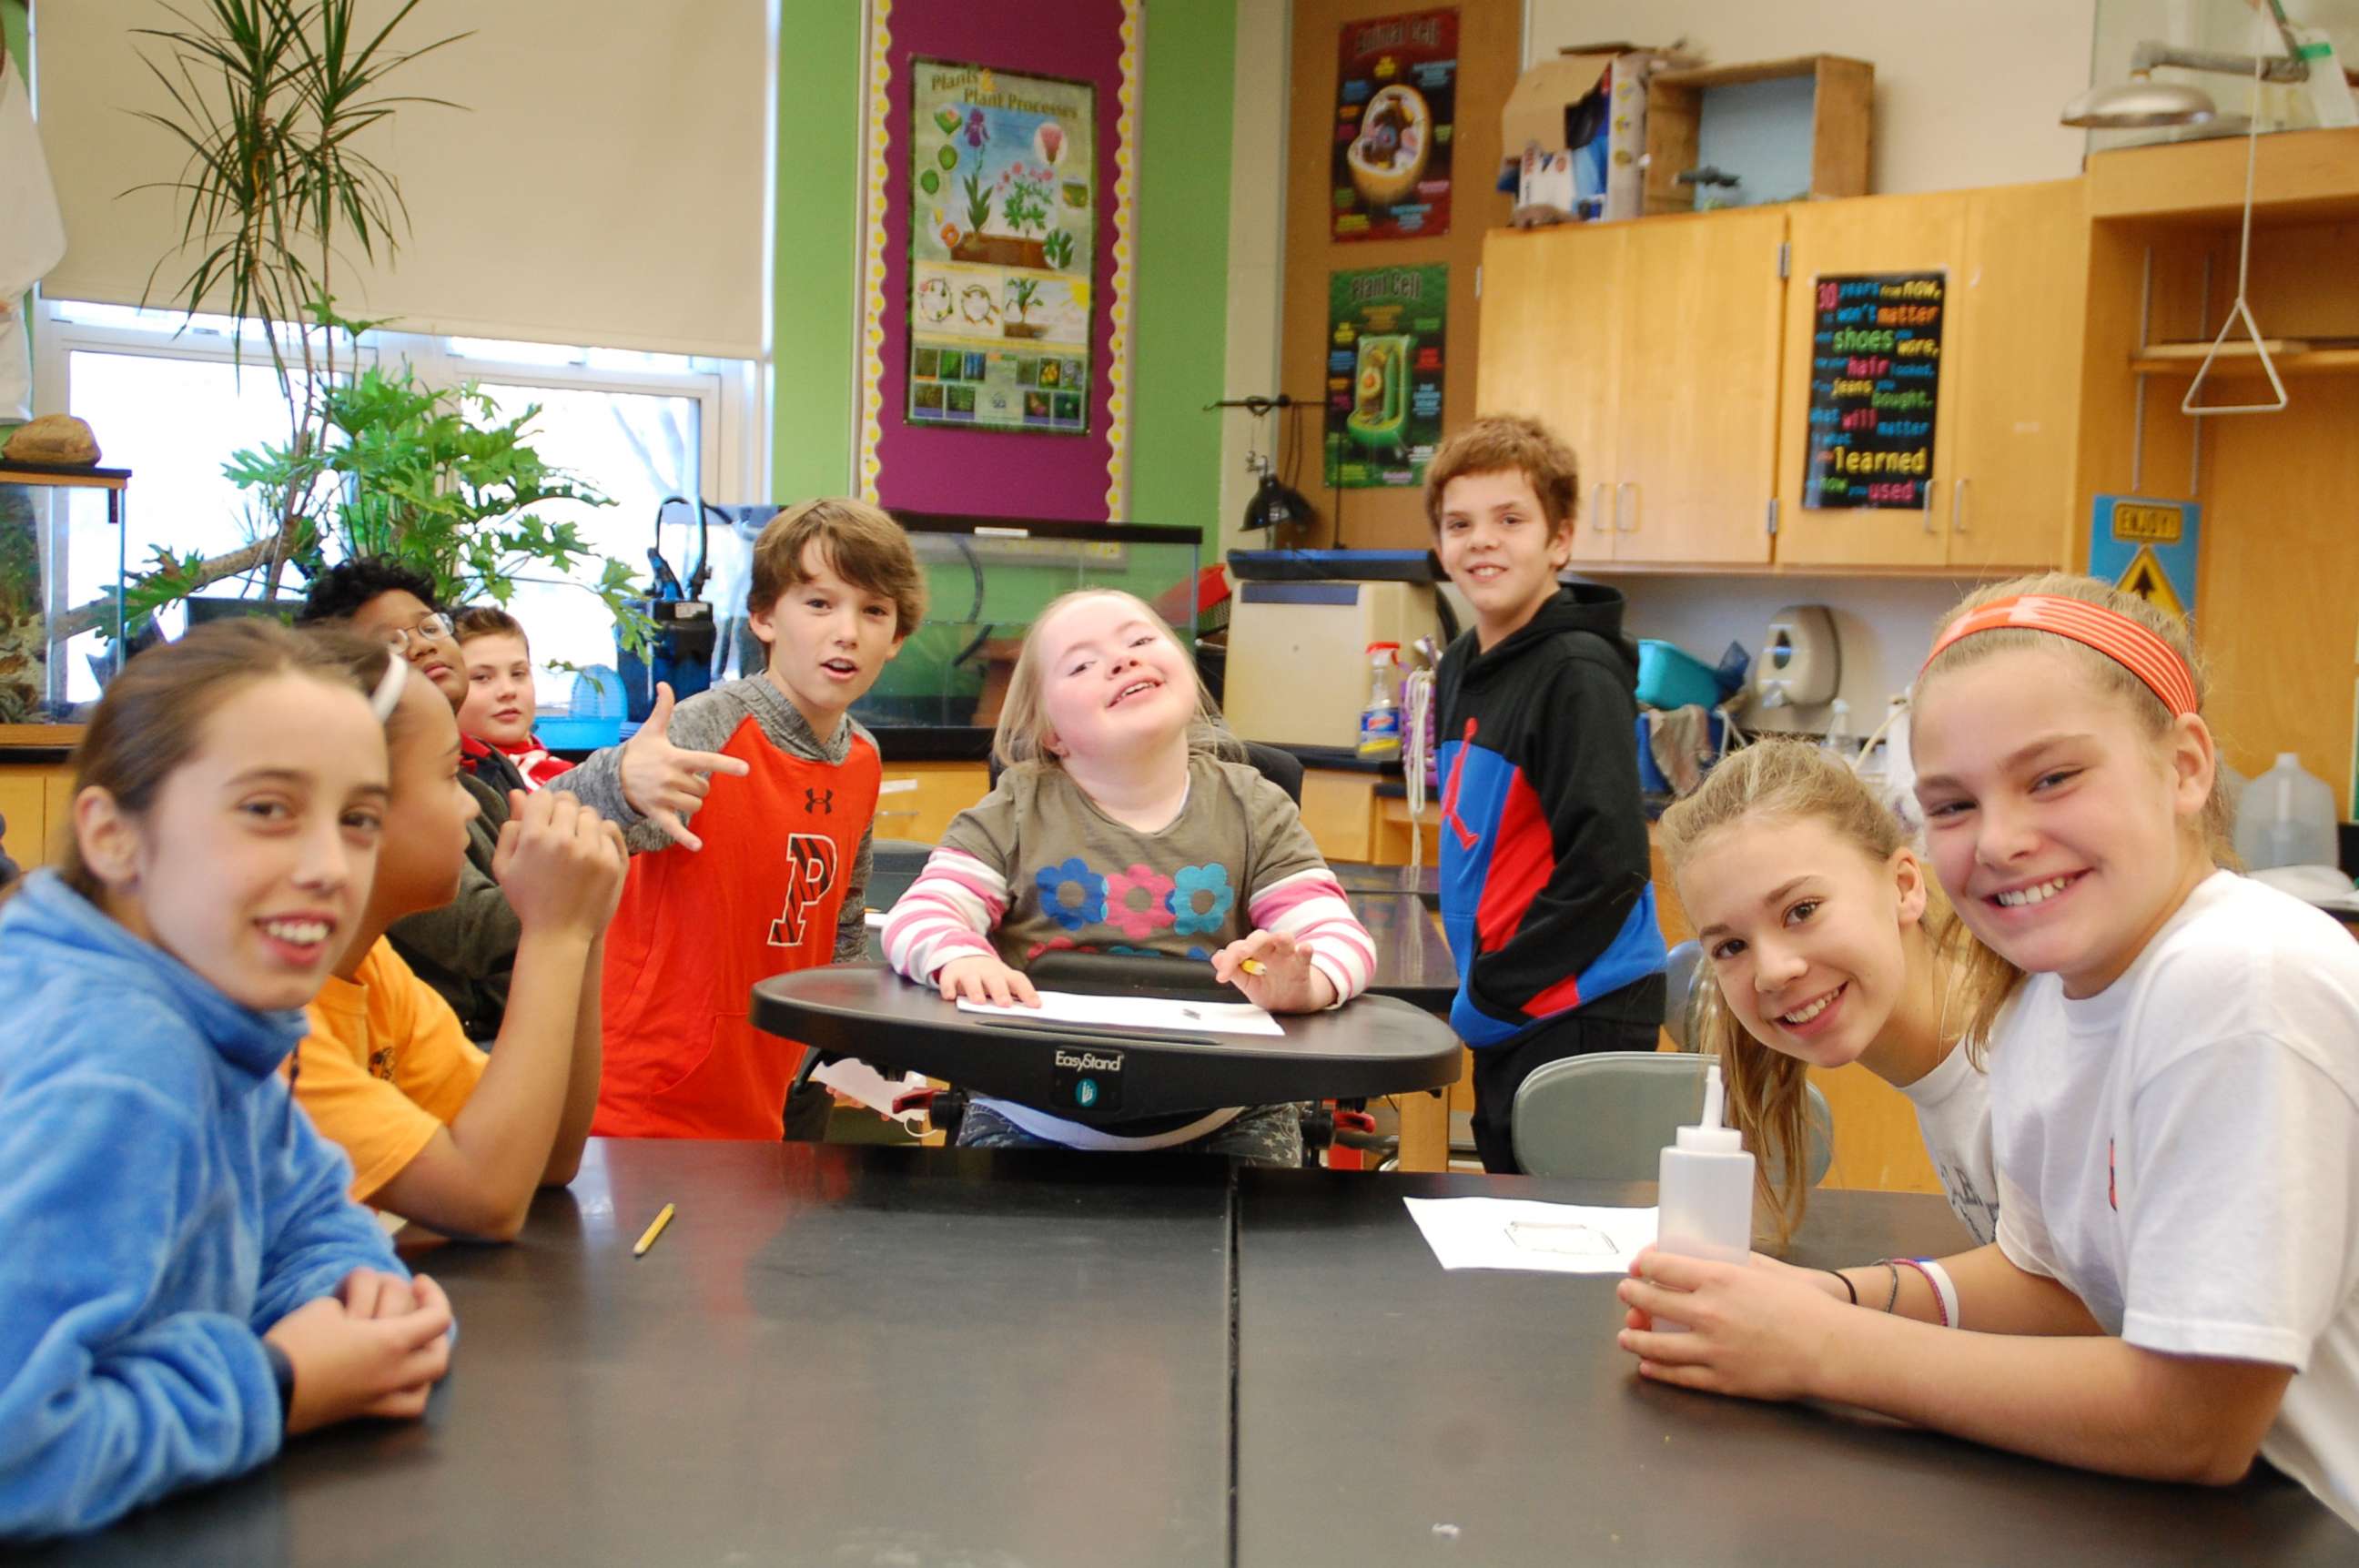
(654, 1230)
(1253, 967)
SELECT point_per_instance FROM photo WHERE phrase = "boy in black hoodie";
(1547, 894)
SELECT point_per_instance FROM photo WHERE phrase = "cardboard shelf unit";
(1841, 114)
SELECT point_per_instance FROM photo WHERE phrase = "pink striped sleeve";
(947, 912)
(1310, 908)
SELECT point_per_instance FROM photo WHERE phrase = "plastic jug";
(2286, 818)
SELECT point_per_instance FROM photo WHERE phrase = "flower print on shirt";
(1201, 900)
(1139, 902)
(1071, 894)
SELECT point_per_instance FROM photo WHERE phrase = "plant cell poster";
(1002, 241)
(1875, 384)
(1396, 95)
(1386, 360)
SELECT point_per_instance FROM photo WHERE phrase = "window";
(168, 402)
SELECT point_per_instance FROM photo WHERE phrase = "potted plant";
(268, 100)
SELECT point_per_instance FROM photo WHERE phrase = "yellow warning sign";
(2145, 520)
(2147, 580)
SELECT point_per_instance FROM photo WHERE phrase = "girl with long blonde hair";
(1828, 944)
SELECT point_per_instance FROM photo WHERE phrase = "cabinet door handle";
(1958, 505)
(1597, 508)
(1630, 487)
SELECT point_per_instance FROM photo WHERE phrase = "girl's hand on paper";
(1288, 981)
(1761, 1334)
(983, 978)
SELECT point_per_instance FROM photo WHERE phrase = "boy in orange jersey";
(779, 885)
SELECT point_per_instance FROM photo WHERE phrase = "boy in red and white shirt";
(498, 712)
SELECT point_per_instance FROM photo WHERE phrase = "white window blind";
(605, 183)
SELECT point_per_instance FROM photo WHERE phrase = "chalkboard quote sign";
(1876, 377)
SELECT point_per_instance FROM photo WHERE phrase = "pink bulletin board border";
(995, 473)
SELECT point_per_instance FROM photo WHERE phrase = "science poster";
(1396, 95)
(1003, 223)
(1385, 361)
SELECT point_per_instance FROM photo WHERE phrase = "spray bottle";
(1706, 1190)
(1380, 721)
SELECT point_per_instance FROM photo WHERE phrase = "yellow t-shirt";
(385, 1066)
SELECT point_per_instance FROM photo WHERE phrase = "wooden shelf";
(62, 475)
(2310, 362)
(2303, 177)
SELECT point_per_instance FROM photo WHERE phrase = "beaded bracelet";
(1940, 1304)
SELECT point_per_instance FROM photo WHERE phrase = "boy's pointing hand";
(662, 782)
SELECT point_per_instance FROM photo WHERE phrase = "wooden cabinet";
(1550, 346)
(37, 798)
(916, 799)
(2003, 485)
(1674, 354)
(1831, 239)
(2022, 308)
(1697, 436)
(1652, 348)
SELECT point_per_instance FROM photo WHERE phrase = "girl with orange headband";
(2174, 1099)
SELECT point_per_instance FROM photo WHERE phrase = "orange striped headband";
(2111, 632)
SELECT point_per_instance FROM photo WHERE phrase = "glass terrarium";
(61, 560)
(2168, 50)
(987, 582)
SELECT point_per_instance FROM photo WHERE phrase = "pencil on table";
(654, 1229)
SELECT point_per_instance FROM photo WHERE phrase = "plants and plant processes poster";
(1386, 360)
(1003, 206)
(1875, 381)
(1396, 95)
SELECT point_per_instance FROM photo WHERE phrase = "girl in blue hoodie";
(184, 1282)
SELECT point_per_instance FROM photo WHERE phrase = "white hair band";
(388, 694)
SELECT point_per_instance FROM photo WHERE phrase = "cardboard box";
(1600, 89)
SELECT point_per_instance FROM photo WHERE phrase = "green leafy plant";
(1023, 293)
(978, 204)
(1059, 248)
(431, 476)
(1026, 207)
(270, 99)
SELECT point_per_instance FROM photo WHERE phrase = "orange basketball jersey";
(697, 928)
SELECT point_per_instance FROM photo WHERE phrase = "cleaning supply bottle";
(1838, 736)
(1380, 721)
(1706, 1193)
(2286, 817)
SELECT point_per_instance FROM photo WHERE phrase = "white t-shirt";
(2182, 1150)
(1953, 1112)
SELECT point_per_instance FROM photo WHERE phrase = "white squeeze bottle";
(1707, 1190)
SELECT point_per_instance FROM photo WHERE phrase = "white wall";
(1965, 94)
(1257, 252)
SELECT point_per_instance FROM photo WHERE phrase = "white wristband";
(1944, 1288)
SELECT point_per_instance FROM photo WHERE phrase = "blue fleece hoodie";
(162, 1205)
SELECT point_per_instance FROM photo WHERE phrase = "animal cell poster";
(1002, 244)
(1875, 382)
(1385, 361)
(1396, 96)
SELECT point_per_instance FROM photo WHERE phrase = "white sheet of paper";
(1137, 1012)
(1519, 1232)
(849, 1075)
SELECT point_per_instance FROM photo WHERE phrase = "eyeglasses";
(428, 630)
